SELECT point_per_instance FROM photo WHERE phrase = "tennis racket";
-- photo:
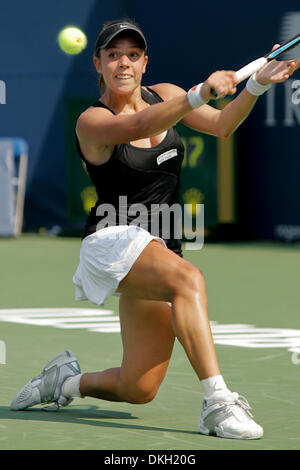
(257, 64)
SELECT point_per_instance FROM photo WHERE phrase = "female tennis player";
(133, 155)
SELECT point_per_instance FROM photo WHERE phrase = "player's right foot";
(228, 416)
(47, 386)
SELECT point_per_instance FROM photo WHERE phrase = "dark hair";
(101, 83)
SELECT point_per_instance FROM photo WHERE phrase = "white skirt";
(106, 257)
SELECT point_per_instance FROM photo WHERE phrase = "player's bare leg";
(160, 274)
(148, 340)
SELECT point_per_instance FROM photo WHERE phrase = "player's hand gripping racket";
(257, 64)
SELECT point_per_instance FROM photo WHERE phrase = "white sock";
(214, 385)
(70, 388)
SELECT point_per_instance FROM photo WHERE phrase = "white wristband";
(195, 97)
(256, 88)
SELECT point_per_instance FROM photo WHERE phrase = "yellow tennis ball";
(72, 40)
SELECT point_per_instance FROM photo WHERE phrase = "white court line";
(105, 321)
(55, 312)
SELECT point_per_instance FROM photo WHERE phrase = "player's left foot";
(228, 415)
(47, 386)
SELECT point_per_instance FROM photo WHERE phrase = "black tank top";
(134, 176)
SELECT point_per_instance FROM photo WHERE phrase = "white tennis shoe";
(47, 386)
(228, 415)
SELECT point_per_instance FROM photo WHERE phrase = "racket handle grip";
(251, 68)
(245, 72)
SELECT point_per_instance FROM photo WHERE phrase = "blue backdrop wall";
(187, 41)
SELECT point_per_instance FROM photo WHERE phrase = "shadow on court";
(92, 416)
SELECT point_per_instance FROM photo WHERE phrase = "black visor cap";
(112, 31)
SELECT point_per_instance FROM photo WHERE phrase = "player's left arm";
(222, 123)
(207, 119)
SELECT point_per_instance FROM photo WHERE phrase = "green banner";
(199, 176)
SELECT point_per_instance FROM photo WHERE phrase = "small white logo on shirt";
(166, 156)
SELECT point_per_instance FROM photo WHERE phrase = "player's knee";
(139, 395)
(190, 280)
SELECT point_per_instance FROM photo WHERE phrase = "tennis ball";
(72, 40)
